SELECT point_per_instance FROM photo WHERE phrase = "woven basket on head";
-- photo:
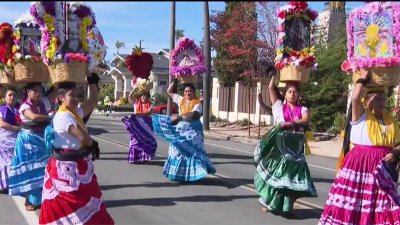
(295, 73)
(29, 71)
(7, 77)
(68, 72)
(381, 76)
(187, 79)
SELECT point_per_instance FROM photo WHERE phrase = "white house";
(123, 77)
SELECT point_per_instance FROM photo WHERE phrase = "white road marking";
(251, 188)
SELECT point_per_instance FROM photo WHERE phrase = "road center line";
(217, 175)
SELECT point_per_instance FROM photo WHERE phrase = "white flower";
(18, 55)
(28, 57)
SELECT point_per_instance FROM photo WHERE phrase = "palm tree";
(337, 6)
(179, 33)
(171, 47)
(206, 77)
(119, 44)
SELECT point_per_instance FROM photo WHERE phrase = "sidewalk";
(329, 148)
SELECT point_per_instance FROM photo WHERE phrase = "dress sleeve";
(177, 99)
(198, 108)
(63, 121)
(277, 112)
(22, 108)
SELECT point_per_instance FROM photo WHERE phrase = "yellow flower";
(312, 50)
(17, 35)
(49, 22)
(52, 48)
(87, 21)
(14, 49)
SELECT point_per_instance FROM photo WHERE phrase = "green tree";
(108, 90)
(326, 92)
(179, 33)
(118, 45)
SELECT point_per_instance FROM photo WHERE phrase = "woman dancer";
(9, 127)
(143, 145)
(71, 194)
(30, 156)
(187, 159)
(282, 172)
(364, 191)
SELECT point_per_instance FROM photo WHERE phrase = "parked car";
(162, 109)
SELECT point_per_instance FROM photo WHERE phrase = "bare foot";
(264, 209)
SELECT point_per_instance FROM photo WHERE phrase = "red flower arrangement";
(139, 63)
(6, 43)
(285, 55)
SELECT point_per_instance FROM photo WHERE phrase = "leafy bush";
(244, 122)
(339, 123)
(107, 90)
(213, 118)
(160, 99)
(123, 101)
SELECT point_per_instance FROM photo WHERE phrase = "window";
(163, 83)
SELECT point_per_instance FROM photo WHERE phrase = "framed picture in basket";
(373, 36)
(29, 39)
(298, 33)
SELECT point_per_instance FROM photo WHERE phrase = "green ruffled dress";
(282, 172)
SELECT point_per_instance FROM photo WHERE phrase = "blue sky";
(131, 22)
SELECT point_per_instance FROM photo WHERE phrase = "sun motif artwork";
(373, 35)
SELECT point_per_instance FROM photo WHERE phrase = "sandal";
(30, 207)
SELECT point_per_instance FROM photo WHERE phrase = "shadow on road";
(229, 183)
(112, 153)
(322, 180)
(173, 200)
(97, 131)
(304, 214)
(230, 156)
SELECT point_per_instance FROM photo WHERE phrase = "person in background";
(9, 128)
(187, 159)
(71, 193)
(30, 156)
(143, 144)
(106, 102)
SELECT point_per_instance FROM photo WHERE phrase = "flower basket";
(187, 79)
(295, 73)
(7, 77)
(372, 42)
(187, 60)
(68, 72)
(381, 76)
(28, 71)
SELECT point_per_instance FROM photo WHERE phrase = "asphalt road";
(139, 194)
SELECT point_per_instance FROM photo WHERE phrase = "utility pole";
(207, 75)
(171, 47)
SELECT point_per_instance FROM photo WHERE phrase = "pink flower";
(346, 66)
